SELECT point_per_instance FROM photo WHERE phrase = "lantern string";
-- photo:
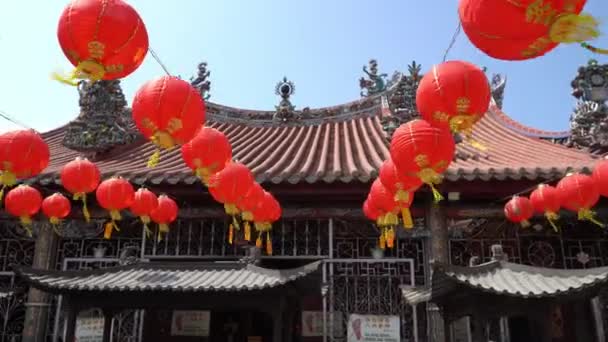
(157, 59)
(11, 119)
(453, 41)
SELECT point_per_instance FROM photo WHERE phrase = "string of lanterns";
(107, 40)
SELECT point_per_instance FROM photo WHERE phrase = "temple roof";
(508, 279)
(338, 144)
(182, 277)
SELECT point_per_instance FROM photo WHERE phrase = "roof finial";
(376, 82)
(201, 81)
(285, 111)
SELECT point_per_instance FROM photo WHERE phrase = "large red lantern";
(230, 185)
(56, 207)
(103, 39)
(23, 154)
(454, 95)
(600, 177)
(519, 210)
(168, 111)
(114, 194)
(164, 214)
(207, 153)
(23, 202)
(579, 193)
(144, 203)
(524, 29)
(247, 204)
(80, 177)
(421, 150)
(546, 200)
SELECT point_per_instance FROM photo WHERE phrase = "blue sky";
(320, 45)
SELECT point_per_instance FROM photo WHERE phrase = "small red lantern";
(207, 153)
(56, 207)
(23, 154)
(24, 202)
(80, 177)
(454, 95)
(247, 204)
(519, 210)
(421, 150)
(403, 186)
(524, 29)
(169, 111)
(228, 187)
(264, 215)
(381, 199)
(114, 194)
(546, 200)
(164, 214)
(579, 193)
(144, 203)
(600, 177)
(103, 39)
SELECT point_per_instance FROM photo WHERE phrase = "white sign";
(190, 323)
(89, 329)
(312, 323)
(371, 328)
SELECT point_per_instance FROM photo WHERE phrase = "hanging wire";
(453, 41)
(157, 59)
(11, 119)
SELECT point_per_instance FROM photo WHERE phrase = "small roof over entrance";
(507, 279)
(168, 277)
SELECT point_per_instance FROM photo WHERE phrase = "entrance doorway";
(520, 329)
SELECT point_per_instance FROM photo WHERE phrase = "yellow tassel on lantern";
(258, 241)
(552, 218)
(268, 244)
(574, 28)
(162, 140)
(107, 230)
(390, 237)
(115, 216)
(382, 241)
(402, 196)
(230, 233)
(406, 216)
(163, 229)
(85, 70)
(146, 220)
(431, 177)
(85, 210)
(26, 223)
(595, 49)
(589, 215)
(391, 219)
(525, 223)
(231, 209)
(7, 179)
(247, 231)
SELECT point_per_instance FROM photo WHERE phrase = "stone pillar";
(38, 302)
(438, 252)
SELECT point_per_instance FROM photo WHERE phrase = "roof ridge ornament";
(375, 83)
(201, 81)
(285, 111)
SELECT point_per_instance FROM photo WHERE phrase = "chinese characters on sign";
(89, 329)
(190, 323)
(371, 328)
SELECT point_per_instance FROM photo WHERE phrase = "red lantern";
(168, 111)
(103, 39)
(600, 177)
(23, 154)
(381, 199)
(230, 185)
(267, 212)
(144, 203)
(23, 202)
(80, 177)
(207, 153)
(454, 95)
(247, 204)
(421, 150)
(546, 200)
(164, 214)
(519, 210)
(114, 194)
(403, 186)
(579, 193)
(524, 29)
(56, 207)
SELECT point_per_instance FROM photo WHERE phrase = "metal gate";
(367, 287)
(126, 325)
(12, 310)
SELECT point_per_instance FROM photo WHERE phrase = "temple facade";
(326, 280)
